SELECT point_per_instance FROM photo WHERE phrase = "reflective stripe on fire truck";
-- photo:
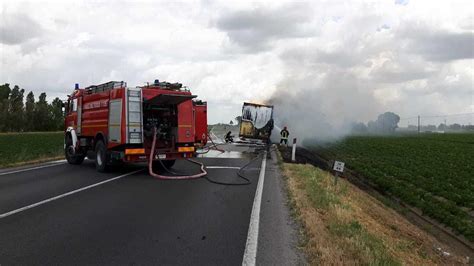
(185, 149)
(134, 151)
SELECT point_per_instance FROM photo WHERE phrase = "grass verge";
(344, 225)
(22, 148)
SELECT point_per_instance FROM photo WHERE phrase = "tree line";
(387, 123)
(20, 115)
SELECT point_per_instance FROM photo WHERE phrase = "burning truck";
(257, 122)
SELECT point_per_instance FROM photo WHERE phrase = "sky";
(351, 59)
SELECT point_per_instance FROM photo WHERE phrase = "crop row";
(434, 173)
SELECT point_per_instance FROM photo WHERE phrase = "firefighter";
(284, 136)
(228, 137)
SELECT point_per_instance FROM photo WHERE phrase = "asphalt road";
(136, 219)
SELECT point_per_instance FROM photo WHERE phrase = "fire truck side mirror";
(65, 107)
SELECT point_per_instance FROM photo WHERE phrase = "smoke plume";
(323, 105)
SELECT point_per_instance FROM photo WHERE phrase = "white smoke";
(322, 106)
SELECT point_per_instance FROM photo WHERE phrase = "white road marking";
(232, 167)
(223, 167)
(54, 163)
(250, 254)
(3, 215)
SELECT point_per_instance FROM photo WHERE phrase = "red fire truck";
(119, 124)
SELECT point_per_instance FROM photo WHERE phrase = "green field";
(433, 172)
(17, 148)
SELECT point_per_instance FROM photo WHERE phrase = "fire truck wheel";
(69, 153)
(101, 157)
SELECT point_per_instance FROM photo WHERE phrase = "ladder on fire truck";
(134, 120)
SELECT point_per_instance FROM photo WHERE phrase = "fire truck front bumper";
(143, 156)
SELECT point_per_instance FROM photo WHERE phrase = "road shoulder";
(279, 232)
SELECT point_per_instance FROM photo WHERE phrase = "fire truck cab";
(117, 123)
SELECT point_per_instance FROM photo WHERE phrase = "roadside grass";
(22, 148)
(343, 225)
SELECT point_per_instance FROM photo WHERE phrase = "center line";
(250, 254)
(3, 215)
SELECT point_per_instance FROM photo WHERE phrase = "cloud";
(337, 61)
(256, 28)
(340, 57)
(438, 45)
(18, 28)
(401, 2)
(401, 68)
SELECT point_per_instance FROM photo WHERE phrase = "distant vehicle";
(257, 122)
(121, 124)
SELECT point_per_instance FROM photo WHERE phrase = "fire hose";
(203, 170)
(177, 177)
(212, 147)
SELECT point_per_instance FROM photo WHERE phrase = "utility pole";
(418, 124)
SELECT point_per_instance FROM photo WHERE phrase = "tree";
(42, 115)
(372, 127)
(455, 127)
(388, 122)
(385, 123)
(231, 122)
(359, 128)
(16, 111)
(430, 127)
(57, 116)
(468, 127)
(442, 127)
(29, 112)
(4, 105)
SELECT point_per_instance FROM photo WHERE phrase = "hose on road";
(174, 177)
(239, 174)
(212, 147)
(203, 173)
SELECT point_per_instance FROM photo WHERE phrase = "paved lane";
(27, 187)
(134, 220)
